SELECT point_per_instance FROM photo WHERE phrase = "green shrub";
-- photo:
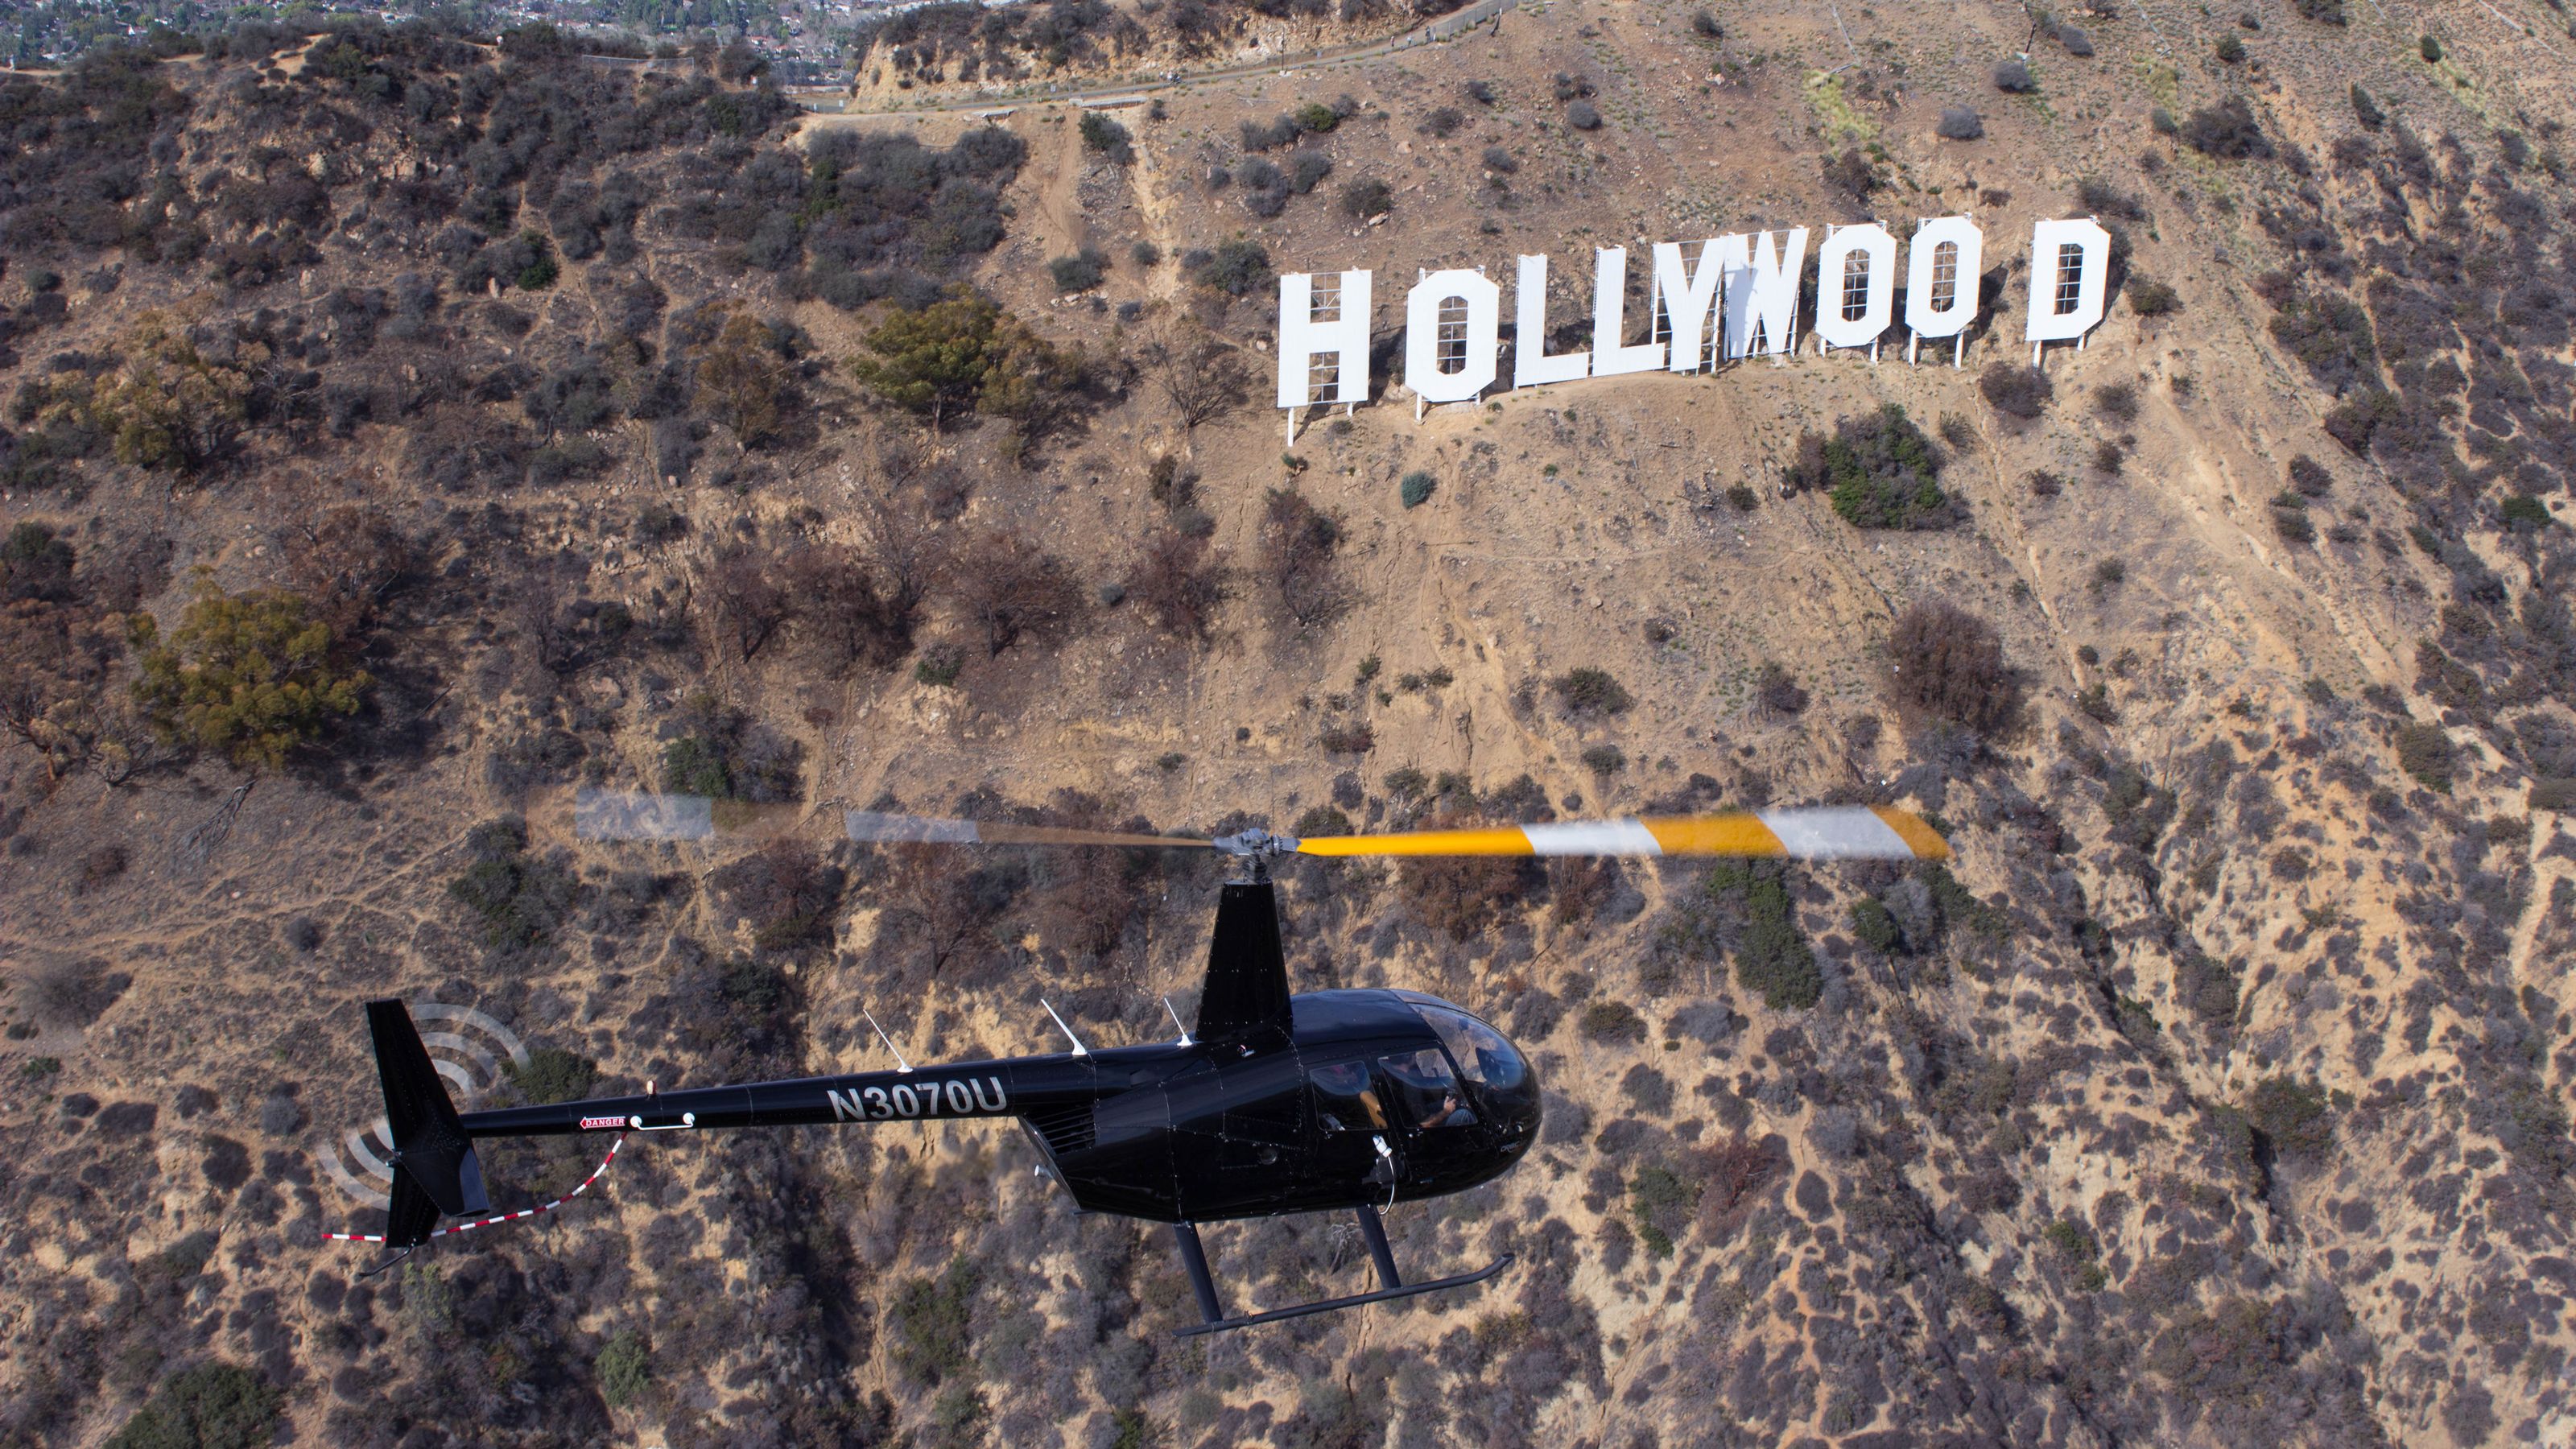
(2150, 298)
(1605, 759)
(1317, 117)
(554, 1075)
(2292, 1114)
(1883, 471)
(1663, 1202)
(1588, 690)
(1608, 1020)
(1110, 139)
(1771, 956)
(939, 667)
(1237, 268)
(2524, 513)
(2430, 49)
(1876, 925)
(1080, 272)
(1416, 489)
(251, 675)
(930, 1321)
(166, 405)
(211, 1406)
(625, 1368)
(519, 899)
(2425, 751)
(541, 269)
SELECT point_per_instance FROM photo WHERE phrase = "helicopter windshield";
(1481, 1052)
(1426, 1090)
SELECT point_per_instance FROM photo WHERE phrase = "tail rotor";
(434, 1167)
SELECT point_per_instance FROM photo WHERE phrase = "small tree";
(955, 355)
(745, 378)
(1010, 587)
(851, 615)
(1179, 581)
(249, 674)
(744, 599)
(2015, 389)
(1196, 372)
(1946, 664)
(167, 406)
(1299, 539)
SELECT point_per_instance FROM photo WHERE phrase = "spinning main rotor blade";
(1843, 832)
(1834, 832)
(866, 825)
(635, 815)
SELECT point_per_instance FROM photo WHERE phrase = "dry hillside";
(401, 427)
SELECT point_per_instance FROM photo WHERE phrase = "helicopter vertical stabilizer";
(435, 1170)
(1247, 980)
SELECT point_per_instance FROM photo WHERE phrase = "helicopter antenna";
(1078, 1048)
(900, 1064)
(1176, 1021)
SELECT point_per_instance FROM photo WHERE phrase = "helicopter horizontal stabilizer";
(435, 1169)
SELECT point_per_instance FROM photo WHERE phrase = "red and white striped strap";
(596, 1173)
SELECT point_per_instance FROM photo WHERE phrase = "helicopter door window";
(1426, 1090)
(1346, 1099)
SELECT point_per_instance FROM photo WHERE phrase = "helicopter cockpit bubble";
(1498, 1078)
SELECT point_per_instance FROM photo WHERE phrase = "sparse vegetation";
(2015, 389)
(2151, 298)
(2227, 130)
(1945, 664)
(1300, 540)
(212, 1406)
(1588, 690)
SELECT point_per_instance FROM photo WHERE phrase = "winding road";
(1430, 32)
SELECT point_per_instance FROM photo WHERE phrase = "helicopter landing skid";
(1194, 1258)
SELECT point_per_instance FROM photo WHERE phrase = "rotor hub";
(1256, 844)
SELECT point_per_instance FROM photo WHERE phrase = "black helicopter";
(1274, 1103)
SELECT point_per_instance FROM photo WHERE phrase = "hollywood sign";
(1737, 297)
